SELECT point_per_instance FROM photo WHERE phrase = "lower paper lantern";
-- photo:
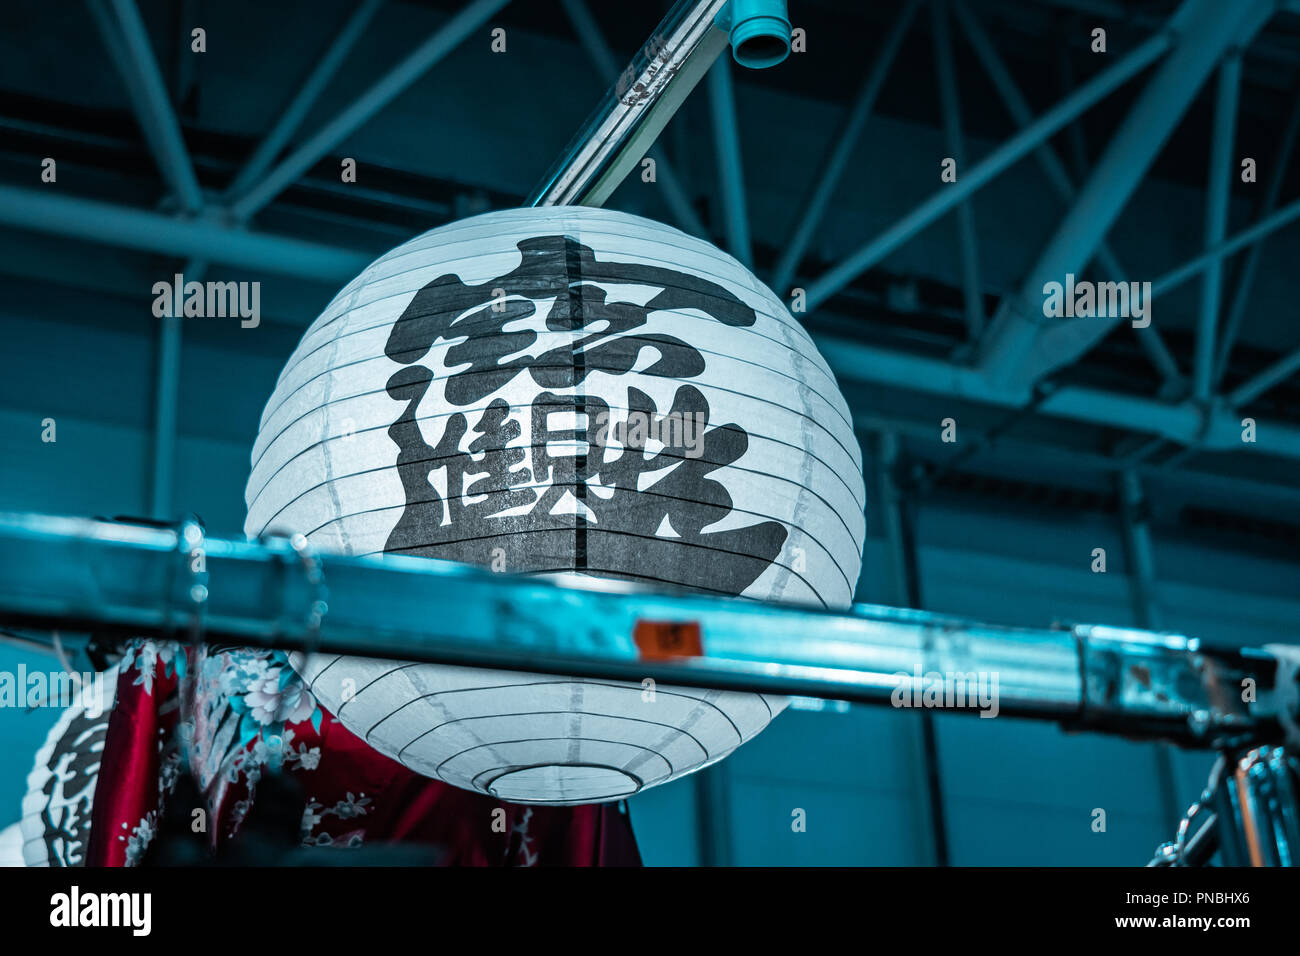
(561, 389)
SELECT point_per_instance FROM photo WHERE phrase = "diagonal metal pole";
(1252, 388)
(1013, 352)
(1005, 156)
(363, 108)
(731, 168)
(128, 45)
(1084, 334)
(675, 195)
(950, 106)
(1216, 218)
(1193, 267)
(635, 110)
(326, 66)
(837, 159)
(1250, 265)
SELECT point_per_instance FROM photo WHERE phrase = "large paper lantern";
(55, 825)
(561, 389)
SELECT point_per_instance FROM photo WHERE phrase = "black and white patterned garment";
(563, 389)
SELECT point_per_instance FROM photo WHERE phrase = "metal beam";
(128, 45)
(396, 81)
(1006, 155)
(1205, 30)
(326, 66)
(731, 166)
(201, 238)
(1135, 524)
(625, 123)
(837, 160)
(888, 506)
(674, 193)
(80, 574)
(1222, 169)
(1250, 265)
(950, 107)
(1083, 335)
(1252, 388)
(1192, 267)
(851, 361)
(1186, 423)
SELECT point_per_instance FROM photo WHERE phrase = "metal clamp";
(314, 574)
(190, 540)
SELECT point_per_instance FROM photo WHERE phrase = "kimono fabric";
(234, 716)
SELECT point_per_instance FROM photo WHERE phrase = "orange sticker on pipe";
(663, 640)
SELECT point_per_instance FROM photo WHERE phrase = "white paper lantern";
(561, 389)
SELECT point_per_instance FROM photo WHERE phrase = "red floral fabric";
(232, 715)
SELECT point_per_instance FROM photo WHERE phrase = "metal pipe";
(418, 62)
(128, 43)
(167, 398)
(293, 115)
(201, 238)
(1006, 155)
(888, 506)
(674, 193)
(824, 184)
(759, 31)
(106, 577)
(731, 166)
(950, 107)
(625, 123)
(166, 389)
(1251, 389)
(1250, 265)
(852, 361)
(1189, 269)
(1205, 29)
(1216, 217)
(1185, 423)
(1135, 525)
(1076, 337)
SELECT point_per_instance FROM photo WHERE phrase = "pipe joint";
(759, 31)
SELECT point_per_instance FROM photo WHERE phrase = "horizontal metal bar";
(851, 360)
(1185, 423)
(201, 238)
(135, 579)
(624, 125)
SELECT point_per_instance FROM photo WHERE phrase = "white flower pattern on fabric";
(351, 808)
(139, 839)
